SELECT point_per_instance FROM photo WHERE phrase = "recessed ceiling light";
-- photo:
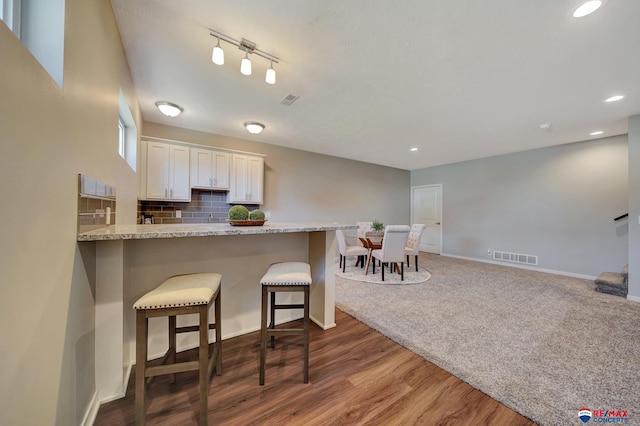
(169, 109)
(587, 8)
(599, 132)
(545, 126)
(413, 149)
(614, 98)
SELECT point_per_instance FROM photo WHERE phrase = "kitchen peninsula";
(132, 259)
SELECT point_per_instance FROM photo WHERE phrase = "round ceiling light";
(169, 109)
(254, 127)
(587, 8)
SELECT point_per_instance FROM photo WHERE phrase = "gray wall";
(634, 208)
(557, 203)
(303, 186)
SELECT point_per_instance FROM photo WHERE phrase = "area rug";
(542, 344)
(356, 273)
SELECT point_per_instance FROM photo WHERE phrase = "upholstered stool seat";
(284, 277)
(179, 295)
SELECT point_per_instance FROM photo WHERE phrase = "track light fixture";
(249, 48)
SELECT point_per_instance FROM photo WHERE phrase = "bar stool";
(179, 295)
(284, 277)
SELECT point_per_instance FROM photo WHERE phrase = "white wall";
(48, 135)
(557, 203)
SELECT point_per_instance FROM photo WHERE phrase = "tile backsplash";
(205, 207)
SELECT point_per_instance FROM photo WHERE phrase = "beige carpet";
(542, 344)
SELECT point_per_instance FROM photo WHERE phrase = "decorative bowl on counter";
(248, 222)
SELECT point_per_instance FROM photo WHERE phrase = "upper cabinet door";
(255, 179)
(167, 172)
(157, 170)
(221, 170)
(179, 187)
(247, 179)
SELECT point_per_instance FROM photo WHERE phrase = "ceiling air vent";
(288, 99)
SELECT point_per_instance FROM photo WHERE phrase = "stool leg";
(218, 347)
(272, 312)
(263, 333)
(141, 361)
(203, 363)
(171, 359)
(306, 334)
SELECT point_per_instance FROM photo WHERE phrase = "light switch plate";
(178, 214)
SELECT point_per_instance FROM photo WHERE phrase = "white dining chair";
(392, 251)
(347, 250)
(363, 228)
(413, 242)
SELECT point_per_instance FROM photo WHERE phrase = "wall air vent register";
(526, 259)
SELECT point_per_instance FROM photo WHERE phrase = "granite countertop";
(139, 232)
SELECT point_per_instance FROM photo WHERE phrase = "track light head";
(217, 56)
(270, 78)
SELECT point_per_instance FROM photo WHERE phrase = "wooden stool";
(179, 295)
(284, 277)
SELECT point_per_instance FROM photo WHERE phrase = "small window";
(127, 133)
(10, 14)
(122, 131)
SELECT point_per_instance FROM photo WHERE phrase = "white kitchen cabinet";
(247, 179)
(167, 172)
(209, 169)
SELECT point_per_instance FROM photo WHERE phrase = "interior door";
(426, 207)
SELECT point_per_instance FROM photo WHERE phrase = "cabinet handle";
(171, 192)
(165, 193)
(210, 182)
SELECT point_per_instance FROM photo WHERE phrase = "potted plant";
(377, 227)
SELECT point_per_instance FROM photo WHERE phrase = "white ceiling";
(458, 79)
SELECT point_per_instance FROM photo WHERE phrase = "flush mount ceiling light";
(599, 132)
(169, 109)
(249, 48)
(614, 98)
(587, 8)
(254, 127)
(413, 149)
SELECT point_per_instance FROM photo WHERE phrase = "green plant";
(256, 215)
(377, 226)
(238, 213)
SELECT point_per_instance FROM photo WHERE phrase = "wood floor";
(357, 376)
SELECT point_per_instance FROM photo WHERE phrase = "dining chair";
(347, 250)
(363, 228)
(392, 251)
(413, 242)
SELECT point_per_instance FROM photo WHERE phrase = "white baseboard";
(633, 298)
(530, 268)
(92, 411)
